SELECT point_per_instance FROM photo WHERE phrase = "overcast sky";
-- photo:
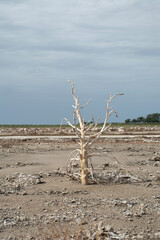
(102, 45)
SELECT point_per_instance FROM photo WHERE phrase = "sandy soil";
(34, 194)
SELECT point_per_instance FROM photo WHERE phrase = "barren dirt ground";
(36, 197)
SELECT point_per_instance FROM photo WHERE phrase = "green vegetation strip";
(99, 125)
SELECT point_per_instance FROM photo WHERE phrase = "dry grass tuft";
(59, 232)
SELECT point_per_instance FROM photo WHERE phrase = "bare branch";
(71, 125)
(113, 96)
(95, 124)
(85, 104)
(108, 112)
(69, 157)
(77, 109)
(92, 126)
(73, 91)
(107, 127)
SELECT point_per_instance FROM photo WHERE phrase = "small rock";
(24, 193)
(156, 165)
(157, 235)
(108, 228)
(155, 158)
(149, 185)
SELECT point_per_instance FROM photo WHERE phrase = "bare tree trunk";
(84, 165)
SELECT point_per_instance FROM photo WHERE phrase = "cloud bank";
(102, 45)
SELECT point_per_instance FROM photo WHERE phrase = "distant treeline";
(151, 118)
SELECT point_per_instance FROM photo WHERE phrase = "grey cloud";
(101, 45)
(148, 52)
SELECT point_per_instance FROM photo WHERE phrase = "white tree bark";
(85, 132)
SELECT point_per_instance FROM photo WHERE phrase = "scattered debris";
(107, 211)
(14, 183)
(156, 157)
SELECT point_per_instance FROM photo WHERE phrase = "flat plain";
(37, 198)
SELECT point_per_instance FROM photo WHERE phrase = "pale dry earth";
(35, 194)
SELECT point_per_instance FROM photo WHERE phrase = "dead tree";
(86, 134)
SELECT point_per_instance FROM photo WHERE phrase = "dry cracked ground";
(39, 201)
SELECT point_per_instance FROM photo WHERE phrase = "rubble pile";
(28, 131)
(19, 164)
(14, 183)
(116, 176)
(16, 131)
(156, 157)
